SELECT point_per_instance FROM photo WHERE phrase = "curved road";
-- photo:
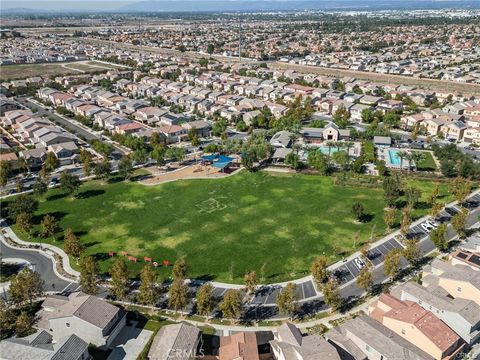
(42, 264)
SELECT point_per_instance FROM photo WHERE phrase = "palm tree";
(401, 154)
(417, 157)
(409, 158)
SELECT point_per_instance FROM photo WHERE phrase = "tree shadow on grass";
(100, 256)
(58, 215)
(205, 277)
(367, 218)
(115, 179)
(90, 193)
(92, 243)
(56, 196)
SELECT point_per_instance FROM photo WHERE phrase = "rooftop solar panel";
(475, 259)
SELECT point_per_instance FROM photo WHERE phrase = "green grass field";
(240, 222)
(427, 164)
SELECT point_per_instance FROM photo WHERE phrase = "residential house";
(465, 257)
(34, 157)
(281, 139)
(39, 346)
(93, 320)
(67, 153)
(417, 325)
(462, 316)
(290, 344)
(357, 110)
(374, 340)
(202, 127)
(453, 130)
(173, 133)
(176, 341)
(239, 346)
(459, 281)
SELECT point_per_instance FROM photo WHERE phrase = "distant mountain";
(189, 6)
(22, 11)
(288, 5)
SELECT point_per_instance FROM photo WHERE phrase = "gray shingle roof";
(71, 348)
(176, 337)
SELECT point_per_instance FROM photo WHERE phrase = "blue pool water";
(393, 156)
(326, 151)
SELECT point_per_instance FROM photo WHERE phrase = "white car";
(432, 223)
(360, 264)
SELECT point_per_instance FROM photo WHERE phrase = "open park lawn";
(240, 222)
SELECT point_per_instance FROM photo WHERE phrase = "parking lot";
(267, 294)
(350, 270)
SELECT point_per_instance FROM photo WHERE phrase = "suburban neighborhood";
(273, 182)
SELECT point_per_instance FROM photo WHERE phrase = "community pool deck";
(393, 161)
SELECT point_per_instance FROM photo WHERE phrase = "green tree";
(342, 159)
(69, 182)
(26, 286)
(412, 251)
(88, 275)
(439, 237)
(391, 263)
(125, 167)
(48, 226)
(460, 188)
(180, 269)
(293, 160)
(72, 244)
(365, 278)
(23, 325)
(24, 221)
(178, 295)
(5, 170)
(341, 117)
(102, 169)
(148, 289)
(251, 281)
(331, 294)
(210, 48)
(318, 161)
(205, 300)
(158, 154)
(7, 319)
(231, 305)
(40, 186)
(436, 209)
(389, 216)
(319, 270)
(412, 195)
(51, 163)
(120, 284)
(286, 300)
(22, 203)
(358, 211)
(432, 197)
(406, 220)
(459, 223)
(391, 189)
(87, 162)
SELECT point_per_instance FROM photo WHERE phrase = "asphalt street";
(40, 263)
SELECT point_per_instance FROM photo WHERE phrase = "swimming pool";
(393, 157)
(325, 150)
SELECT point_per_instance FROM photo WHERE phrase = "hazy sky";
(65, 4)
(105, 5)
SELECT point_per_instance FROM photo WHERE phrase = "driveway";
(129, 343)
